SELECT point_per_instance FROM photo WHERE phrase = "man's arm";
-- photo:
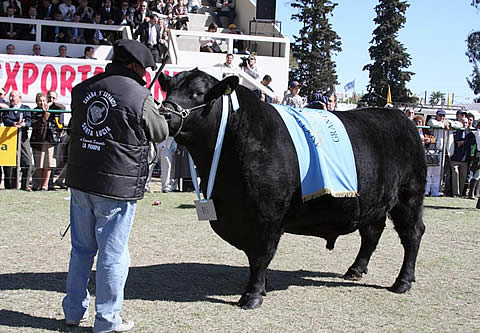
(156, 126)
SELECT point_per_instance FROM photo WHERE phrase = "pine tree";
(389, 56)
(473, 54)
(315, 46)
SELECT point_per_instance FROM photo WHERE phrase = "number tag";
(205, 210)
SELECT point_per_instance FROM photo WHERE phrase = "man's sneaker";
(125, 326)
(70, 322)
(61, 184)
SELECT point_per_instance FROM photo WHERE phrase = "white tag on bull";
(205, 210)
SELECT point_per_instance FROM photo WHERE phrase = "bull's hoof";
(400, 287)
(352, 275)
(250, 301)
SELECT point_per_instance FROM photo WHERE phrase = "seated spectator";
(37, 50)
(15, 4)
(86, 12)
(29, 30)
(224, 8)
(211, 44)
(179, 16)
(89, 53)
(62, 52)
(238, 44)
(157, 6)
(292, 98)
(56, 34)
(193, 6)
(10, 49)
(10, 30)
(68, 10)
(141, 14)
(46, 10)
(464, 139)
(76, 35)
(168, 12)
(97, 36)
(126, 14)
(110, 12)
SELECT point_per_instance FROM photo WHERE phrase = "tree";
(389, 56)
(473, 54)
(315, 46)
(437, 98)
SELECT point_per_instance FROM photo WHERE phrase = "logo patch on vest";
(98, 105)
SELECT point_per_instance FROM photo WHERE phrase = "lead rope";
(218, 147)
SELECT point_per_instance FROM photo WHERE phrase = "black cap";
(462, 112)
(129, 48)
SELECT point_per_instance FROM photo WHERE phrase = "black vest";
(108, 154)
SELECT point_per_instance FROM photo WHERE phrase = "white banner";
(31, 75)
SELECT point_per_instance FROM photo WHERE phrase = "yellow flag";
(449, 101)
(8, 146)
(389, 96)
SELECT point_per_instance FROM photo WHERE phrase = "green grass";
(184, 278)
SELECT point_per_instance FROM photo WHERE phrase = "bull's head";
(190, 95)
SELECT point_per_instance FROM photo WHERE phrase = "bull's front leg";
(259, 257)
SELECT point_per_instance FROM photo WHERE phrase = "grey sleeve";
(156, 126)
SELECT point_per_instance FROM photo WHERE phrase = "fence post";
(19, 154)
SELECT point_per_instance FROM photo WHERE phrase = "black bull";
(257, 193)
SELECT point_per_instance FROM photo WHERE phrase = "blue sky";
(434, 36)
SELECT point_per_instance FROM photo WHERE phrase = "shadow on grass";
(450, 208)
(175, 282)
(182, 282)
(20, 319)
(185, 206)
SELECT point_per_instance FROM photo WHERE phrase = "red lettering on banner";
(98, 70)
(84, 69)
(65, 79)
(29, 79)
(48, 70)
(11, 76)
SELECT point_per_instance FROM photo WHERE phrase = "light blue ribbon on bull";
(324, 151)
(218, 147)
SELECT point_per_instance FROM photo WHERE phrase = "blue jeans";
(103, 225)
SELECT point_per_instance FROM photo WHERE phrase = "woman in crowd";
(427, 139)
(45, 126)
(211, 44)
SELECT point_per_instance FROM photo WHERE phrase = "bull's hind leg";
(259, 257)
(407, 219)
(370, 234)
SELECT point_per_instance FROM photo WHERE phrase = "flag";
(349, 86)
(389, 96)
(449, 101)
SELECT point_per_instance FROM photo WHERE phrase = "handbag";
(432, 157)
(53, 133)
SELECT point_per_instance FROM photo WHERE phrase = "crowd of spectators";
(453, 145)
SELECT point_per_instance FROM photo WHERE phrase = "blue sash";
(324, 151)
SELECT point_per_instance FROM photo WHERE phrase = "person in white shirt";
(293, 98)
(439, 124)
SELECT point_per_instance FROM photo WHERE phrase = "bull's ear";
(164, 81)
(226, 86)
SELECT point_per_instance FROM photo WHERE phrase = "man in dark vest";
(113, 119)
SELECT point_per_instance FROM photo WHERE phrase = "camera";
(244, 62)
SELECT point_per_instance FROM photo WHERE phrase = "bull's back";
(389, 159)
